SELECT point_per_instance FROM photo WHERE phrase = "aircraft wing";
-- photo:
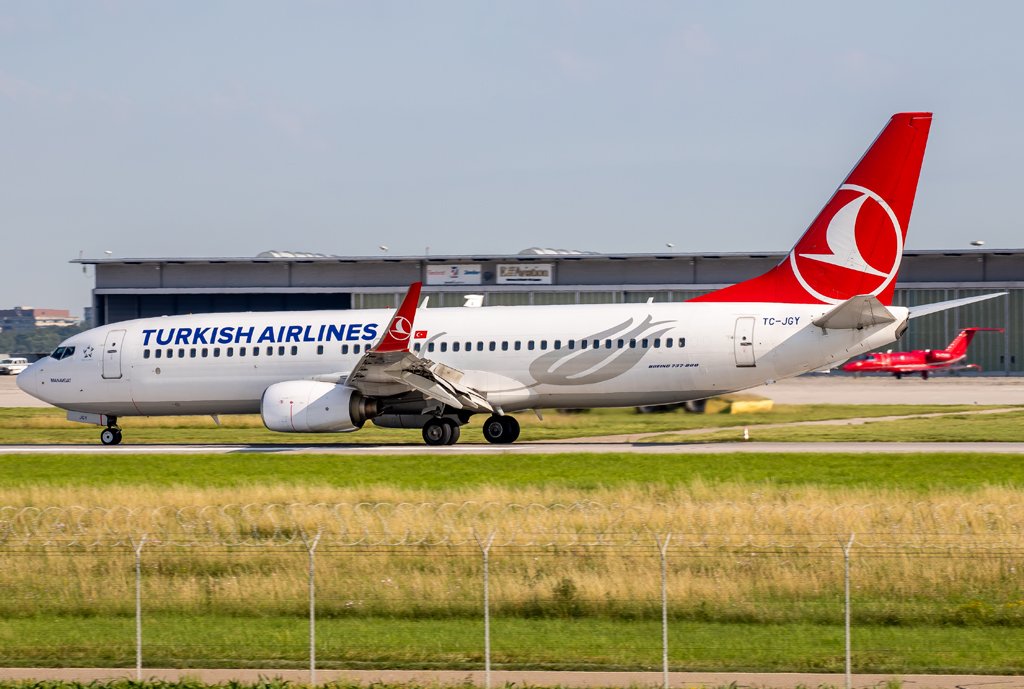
(389, 368)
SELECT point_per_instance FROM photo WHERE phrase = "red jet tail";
(855, 245)
(958, 347)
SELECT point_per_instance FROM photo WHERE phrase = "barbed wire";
(925, 525)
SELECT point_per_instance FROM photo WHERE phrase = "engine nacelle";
(309, 406)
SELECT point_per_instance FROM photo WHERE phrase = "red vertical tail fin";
(396, 337)
(855, 244)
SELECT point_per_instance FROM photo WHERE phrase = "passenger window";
(543, 345)
(159, 353)
(170, 353)
(529, 345)
(455, 346)
(479, 346)
(181, 353)
(504, 345)
(145, 353)
(657, 343)
(255, 351)
(444, 346)
(572, 344)
(216, 351)
(632, 344)
(558, 344)
(490, 346)
(622, 343)
(668, 341)
(597, 344)
(607, 344)
(319, 349)
(430, 347)
(416, 347)
(682, 341)
(357, 348)
(583, 344)
(205, 352)
(344, 349)
(518, 345)
(270, 351)
(192, 353)
(295, 350)
(241, 350)
(280, 350)
(469, 346)
(643, 343)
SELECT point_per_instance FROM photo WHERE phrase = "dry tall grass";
(737, 552)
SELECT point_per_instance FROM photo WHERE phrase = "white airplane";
(331, 371)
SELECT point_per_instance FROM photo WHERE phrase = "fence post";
(485, 547)
(311, 549)
(849, 655)
(138, 605)
(663, 550)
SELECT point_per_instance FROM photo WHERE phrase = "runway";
(523, 448)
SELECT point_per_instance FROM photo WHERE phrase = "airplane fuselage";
(520, 357)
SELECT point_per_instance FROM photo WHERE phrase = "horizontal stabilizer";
(856, 313)
(925, 309)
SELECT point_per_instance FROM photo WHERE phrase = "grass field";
(754, 570)
(34, 426)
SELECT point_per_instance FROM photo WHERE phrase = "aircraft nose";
(28, 380)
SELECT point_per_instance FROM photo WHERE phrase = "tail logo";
(400, 328)
(821, 271)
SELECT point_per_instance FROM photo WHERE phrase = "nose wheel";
(111, 436)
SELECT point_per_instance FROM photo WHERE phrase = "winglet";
(396, 337)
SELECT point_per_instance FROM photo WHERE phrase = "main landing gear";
(501, 430)
(441, 431)
(111, 435)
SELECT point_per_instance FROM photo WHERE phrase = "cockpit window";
(63, 353)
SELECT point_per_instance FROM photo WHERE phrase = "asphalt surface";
(777, 680)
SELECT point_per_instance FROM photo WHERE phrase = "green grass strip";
(582, 471)
(556, 644)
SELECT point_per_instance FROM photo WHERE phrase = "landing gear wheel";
(438, 432)
(501, 430)
(456, 432)
(111, 436)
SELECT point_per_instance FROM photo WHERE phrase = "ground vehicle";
(13, 366)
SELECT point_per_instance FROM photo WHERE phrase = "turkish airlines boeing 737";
(330, 371)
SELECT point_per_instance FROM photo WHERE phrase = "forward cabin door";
(743, 341)
(112, 354)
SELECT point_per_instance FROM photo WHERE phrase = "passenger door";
(112, 354)
(743, 341)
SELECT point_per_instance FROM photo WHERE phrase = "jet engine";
(308, 406)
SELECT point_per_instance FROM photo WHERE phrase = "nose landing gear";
(111, 435)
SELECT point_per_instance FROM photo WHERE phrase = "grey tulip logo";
(597, 364)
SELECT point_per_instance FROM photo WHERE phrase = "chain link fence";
(929, 587)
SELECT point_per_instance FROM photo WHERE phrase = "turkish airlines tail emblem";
(855, 244)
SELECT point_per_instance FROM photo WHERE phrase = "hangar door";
(743, 341)
(112, 354)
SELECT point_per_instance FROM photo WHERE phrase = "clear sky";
(153, 129)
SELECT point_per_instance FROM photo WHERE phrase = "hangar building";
(142, 287)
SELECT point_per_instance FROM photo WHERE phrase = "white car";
(13, 366)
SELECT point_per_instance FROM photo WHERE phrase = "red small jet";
(920, 360)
